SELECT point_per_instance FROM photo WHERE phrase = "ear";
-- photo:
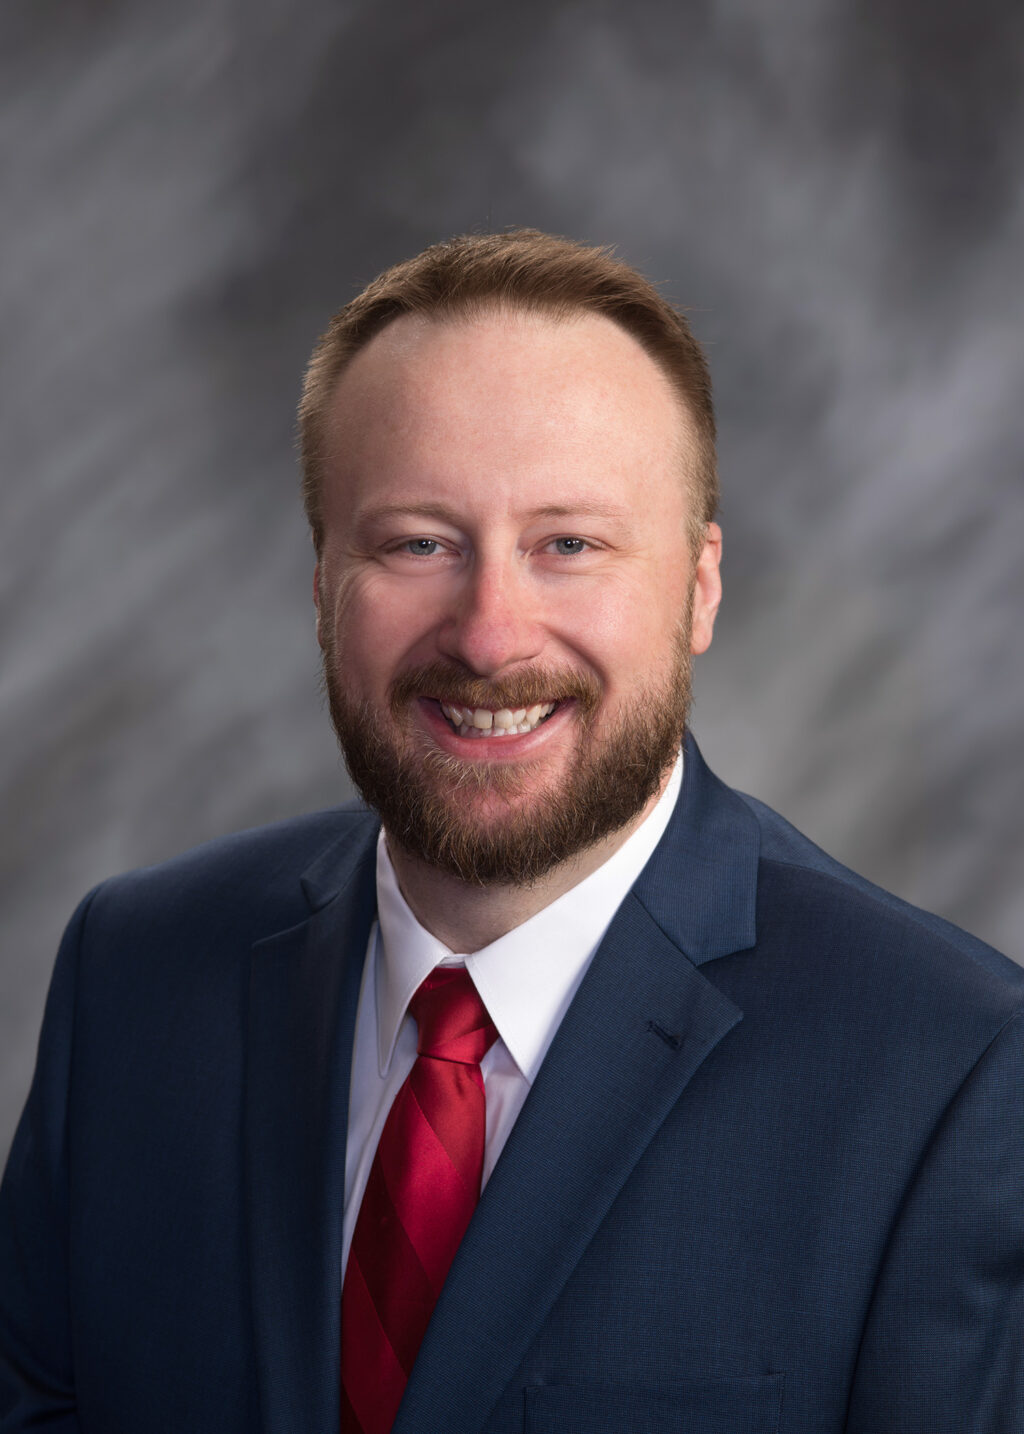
(707, 589)
(316, 604)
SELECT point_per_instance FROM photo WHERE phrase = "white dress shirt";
(526, 979)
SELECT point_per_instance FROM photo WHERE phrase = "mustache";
(527, 687)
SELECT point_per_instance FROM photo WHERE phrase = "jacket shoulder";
(249, 881)
(791, 863)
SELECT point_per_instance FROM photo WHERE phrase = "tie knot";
(452, 1020)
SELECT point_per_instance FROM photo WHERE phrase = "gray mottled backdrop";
(834, 189)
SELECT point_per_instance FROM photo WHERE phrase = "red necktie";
(423, 1188)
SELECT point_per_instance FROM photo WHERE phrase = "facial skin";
(507, 525)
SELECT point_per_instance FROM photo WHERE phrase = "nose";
(493, 623)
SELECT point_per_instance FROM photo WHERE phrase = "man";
(747, 1129)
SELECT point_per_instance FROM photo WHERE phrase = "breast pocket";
(699, 1406)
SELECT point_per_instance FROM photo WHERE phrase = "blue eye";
(569, 547)
(422, 547)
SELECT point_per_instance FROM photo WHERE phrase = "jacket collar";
(346, 860)
(700, 886)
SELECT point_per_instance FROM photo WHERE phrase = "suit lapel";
(642, 1022)
(304, 990)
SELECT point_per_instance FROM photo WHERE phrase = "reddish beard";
(425, 796)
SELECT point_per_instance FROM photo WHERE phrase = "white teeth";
(482, 722)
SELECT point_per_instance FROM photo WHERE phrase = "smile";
(506, 722)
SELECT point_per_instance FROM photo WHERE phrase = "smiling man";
(510, 584)
(557, 1087)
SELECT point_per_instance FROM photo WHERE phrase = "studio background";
(834, 190)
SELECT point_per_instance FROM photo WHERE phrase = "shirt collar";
(528, 977)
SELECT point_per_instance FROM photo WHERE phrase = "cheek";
(377, 625)
(626, 634)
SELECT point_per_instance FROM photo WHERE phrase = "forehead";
(515, 395)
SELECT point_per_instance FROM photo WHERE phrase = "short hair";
(520, 269)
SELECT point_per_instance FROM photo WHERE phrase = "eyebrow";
(583, 509)
(407, 510)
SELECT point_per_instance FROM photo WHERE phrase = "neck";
(467, 917)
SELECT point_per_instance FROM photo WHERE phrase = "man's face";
(507, 597)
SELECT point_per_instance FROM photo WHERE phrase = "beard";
(427, 799)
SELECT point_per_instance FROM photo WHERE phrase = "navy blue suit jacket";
(770, 1176)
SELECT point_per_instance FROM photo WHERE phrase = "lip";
(493, 749)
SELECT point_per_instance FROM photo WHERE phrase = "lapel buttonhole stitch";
(670, 1040)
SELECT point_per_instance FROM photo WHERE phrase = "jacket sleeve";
(36, 1358)
(943, 1348)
